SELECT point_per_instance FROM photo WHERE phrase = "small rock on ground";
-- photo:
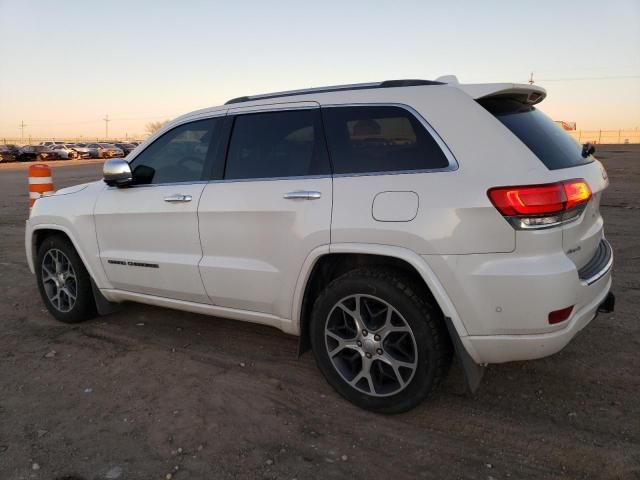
(114, 473)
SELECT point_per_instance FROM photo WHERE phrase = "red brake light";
(545, 199)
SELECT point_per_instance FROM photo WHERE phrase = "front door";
(271, 209)
(148, 233)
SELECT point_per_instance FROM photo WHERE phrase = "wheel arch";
(327, 263)
(40, 232)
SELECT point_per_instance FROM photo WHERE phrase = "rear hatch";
(563, 156)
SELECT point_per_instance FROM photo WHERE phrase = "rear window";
(368, 139)
(550, 143)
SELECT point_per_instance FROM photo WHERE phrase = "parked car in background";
(51, 144)
(65, 152)
(9, 153)
(81, 149)
(127, 148)
(104, 150)
(30, 153)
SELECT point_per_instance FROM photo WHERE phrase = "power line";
(619, 77)
(89, 121)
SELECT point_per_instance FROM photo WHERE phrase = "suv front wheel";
(63, 281)
(377, 342)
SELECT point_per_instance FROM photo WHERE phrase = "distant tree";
(153, 127)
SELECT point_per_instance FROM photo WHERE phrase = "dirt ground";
(147, 392)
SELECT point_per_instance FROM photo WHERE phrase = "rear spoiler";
(524, 92)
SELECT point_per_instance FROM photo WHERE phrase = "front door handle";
(303, 195)
(178, 198)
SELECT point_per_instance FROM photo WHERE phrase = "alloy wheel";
(371, 345)
(59, 280)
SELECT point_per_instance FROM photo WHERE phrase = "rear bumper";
(507, 348)
(504, 300)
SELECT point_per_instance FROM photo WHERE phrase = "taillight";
(541, 206)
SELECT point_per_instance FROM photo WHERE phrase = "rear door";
(148, 233)
(272, 208)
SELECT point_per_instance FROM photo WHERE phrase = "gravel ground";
(149, 392)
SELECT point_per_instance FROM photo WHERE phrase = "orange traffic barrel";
(40, 182)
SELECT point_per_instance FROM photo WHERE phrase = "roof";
(532, 94)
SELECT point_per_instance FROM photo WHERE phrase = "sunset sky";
(66, 64)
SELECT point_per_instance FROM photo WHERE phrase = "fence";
(27, 140)
(606, 136)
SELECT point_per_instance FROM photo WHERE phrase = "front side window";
(370, 139)
(177, 156)
(275, 145)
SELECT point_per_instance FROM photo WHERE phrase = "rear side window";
(276, 145)
(371, 139)
(552, 145)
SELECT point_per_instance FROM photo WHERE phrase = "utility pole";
(22, 125)
(531, 79)
(106, 127)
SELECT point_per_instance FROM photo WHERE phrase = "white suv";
(388, 225)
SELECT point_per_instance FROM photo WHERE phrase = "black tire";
(84, 307)
(432, 344)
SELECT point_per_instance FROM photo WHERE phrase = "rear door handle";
(178, 198)
(303, 195)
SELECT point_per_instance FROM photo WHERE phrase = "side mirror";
(117, 173)
(588, 149)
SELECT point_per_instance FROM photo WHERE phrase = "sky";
(67, 64)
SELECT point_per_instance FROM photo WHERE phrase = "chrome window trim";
(453, 162)
(278, 107)
(270, 179)
(273, 107)
(151, 185)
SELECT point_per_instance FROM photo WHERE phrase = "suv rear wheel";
(63, 281)
(378, 343)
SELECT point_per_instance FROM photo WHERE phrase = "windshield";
(549, 142)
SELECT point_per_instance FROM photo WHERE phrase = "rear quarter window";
(550, 143)
(370, 139)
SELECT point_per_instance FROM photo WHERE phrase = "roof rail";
(336, 88)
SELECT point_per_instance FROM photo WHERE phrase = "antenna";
(106, 127)
(22, 125)
(531, 82)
